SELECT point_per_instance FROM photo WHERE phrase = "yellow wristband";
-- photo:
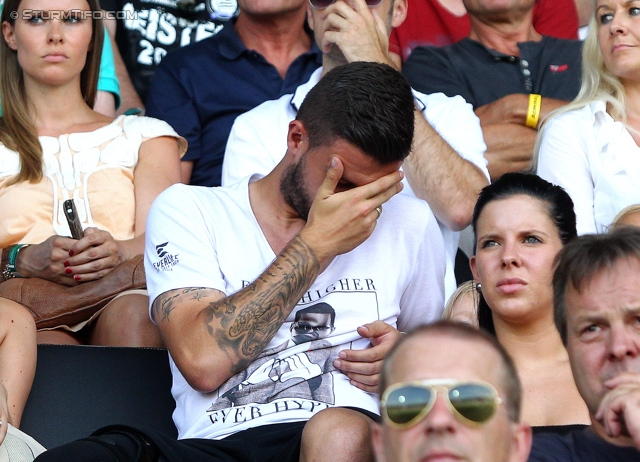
(533, 113)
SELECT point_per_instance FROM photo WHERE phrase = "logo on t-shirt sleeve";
(166, 260)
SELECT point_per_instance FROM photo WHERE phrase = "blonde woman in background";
(629, 216)
(590, 147)
(462, 306)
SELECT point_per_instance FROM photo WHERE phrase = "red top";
(429, 23)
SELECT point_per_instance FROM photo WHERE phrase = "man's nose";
(623, 343)
(440, 418)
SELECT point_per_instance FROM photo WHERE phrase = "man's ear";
(310, 16)
(399, 14)
(522, 439)
(297, 139)
(376, 440)
(9, 36)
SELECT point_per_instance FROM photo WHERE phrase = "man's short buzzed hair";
(369, 105)
(581, 259)
(318, 308)
(457, 330)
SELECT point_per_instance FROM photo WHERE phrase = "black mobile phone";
(73, 220)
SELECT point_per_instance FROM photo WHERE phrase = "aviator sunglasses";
(322, 4)
(405, 404)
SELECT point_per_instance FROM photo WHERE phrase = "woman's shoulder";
(149, 127)
(585, 114)
(143, 124)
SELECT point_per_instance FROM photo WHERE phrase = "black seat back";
(78, 389)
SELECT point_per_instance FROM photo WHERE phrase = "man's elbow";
(202, 382)
(459, 216)
(460, 212)
(202, 372)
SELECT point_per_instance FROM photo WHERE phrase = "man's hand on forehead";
(340, 221)
(359, 32)
(619, 411)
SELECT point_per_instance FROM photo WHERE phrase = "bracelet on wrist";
(9, 270)
(533, 112)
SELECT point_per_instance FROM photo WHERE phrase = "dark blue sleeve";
(430, 70)
(169, 99)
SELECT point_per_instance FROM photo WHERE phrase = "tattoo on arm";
(164, 303)
(244, 323)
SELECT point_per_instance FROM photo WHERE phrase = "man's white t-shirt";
(258, 142)
(209, 237)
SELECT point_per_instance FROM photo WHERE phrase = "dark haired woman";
(520, 223)
(54, 146)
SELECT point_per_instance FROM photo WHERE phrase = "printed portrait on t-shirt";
(286, 371)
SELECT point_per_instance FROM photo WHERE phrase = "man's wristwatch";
(9, 269)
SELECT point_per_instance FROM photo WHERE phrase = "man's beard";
(293, 189)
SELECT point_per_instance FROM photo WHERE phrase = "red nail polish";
(77, 277)
(68, 270)
(66, 263)
(71, 253)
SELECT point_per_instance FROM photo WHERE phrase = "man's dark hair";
(369, 105)
(558, 204)
(458, 330)
(583, 258)
(319, 308)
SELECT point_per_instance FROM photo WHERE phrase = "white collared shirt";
(595, 159)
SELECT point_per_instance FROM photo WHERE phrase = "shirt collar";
(606, 130)
(301, 92)
(231, 46)
(498, 56)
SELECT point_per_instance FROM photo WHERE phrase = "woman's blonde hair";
(598, 84)
(17, 130)
(635, 208)
(467, 287)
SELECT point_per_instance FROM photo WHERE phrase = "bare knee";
(16, 320)
(126, 322)
(348, 431)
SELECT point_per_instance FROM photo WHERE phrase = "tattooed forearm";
(164, 303)
(244, 323)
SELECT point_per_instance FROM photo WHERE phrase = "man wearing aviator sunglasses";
(458, 399)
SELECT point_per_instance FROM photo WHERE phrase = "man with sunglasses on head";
(596, 288)
(446, 167)
(450, 392)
